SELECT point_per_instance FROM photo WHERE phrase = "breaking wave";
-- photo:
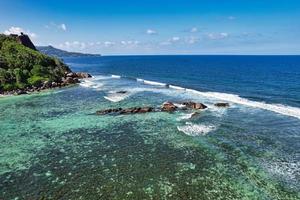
(115, 76)
(176, 87)
(278, 108)
(91, 84)
(116, 97)
(196, 129)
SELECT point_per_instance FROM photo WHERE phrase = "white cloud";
(108, 43)
(151, 32)
(53, 25)
(73, 45)
(192, 40)
(170, 41)
(130, 43)
(231, 18)
(175, 39)
(217, 36)
(19, 30)
(63, 27)
(194, 30)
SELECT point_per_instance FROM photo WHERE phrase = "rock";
(146, 109)
(81, 75)
(125, 111)
(46, 84)
(54, 84)
(71, 74)
(19, 92)
(193, 105)
(121, 92)
(108, 111)
(168, 107)
(194, 114)
(70, 80)
(222, 104)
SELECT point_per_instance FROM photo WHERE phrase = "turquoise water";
(53, 146)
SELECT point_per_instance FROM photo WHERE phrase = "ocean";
(54, 146)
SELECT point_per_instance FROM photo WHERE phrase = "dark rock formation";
(168, 106)
(125, 111)
(222, 104)
(24, 40)
(193, 105)
(121, 92)
(78, 75)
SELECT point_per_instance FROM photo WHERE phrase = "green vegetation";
(21, 66)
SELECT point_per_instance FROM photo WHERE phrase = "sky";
(115, 27)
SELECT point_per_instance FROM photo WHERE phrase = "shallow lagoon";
(53, 145)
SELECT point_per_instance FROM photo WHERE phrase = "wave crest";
(196, 129)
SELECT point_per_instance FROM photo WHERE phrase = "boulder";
(222, 104)
(193, 105)
(46, 84)
(71, 74)
(54, 84)
(70, 80)
(81, 75)
(168, 107)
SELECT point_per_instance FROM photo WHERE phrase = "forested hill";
(23, 67)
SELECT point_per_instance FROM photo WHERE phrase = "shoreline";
(69, 79)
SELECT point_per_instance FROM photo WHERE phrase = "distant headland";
(52, 51)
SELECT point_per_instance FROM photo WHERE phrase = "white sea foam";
(154, 83)
(176, 87)
(91, 84)
(186, 116)
(116, 97)
(115, 76)
(196, 129)
(287, 169)
(278, 108)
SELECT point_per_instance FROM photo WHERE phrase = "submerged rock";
(222, 104)
(121, 92)
(194, 114)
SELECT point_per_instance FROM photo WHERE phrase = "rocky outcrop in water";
(193, 105)
(168, 107)
(165, 107)
(222, 104)
(124, 111)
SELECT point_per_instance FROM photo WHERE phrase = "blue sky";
(158, 26)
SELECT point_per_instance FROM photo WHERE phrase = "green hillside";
(22, 67)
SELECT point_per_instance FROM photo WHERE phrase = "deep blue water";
(272, 79)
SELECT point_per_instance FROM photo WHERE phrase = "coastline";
(69, 79)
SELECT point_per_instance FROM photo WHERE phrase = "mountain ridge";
(52, 51)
